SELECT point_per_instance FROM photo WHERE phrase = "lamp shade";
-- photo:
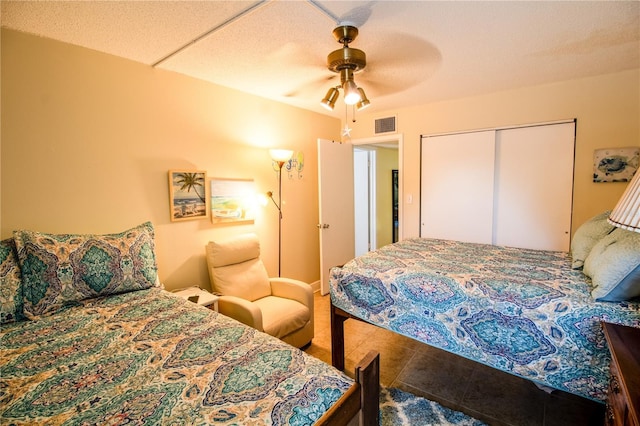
(280, 155)
(364, 102)
(329, 101)
(626, 214)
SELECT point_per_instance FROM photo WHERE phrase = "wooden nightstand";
(623, 399)
(199, 296)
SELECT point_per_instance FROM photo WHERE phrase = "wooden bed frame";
(362, 397)
(338, 317)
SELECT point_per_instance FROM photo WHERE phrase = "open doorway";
(364, 203)
(377, 189)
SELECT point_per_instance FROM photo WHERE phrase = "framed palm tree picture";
(188, 195)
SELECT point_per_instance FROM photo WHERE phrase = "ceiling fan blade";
(398, 63)
(318, 85)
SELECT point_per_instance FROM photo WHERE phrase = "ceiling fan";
(346, 62)
(398, 61)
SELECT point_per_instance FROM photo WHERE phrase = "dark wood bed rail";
(362, 397)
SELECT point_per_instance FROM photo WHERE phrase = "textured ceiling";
(417, 52)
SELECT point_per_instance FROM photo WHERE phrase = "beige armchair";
(281, 307)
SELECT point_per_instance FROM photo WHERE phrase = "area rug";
(402, 408)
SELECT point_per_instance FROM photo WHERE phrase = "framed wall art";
(188, 195)
(615, 164)
(232, 201)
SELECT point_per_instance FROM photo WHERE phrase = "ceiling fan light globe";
(351, 93)
(351, 99)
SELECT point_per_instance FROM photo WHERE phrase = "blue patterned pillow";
(614, 266)
(587, 236)
(10, 283)
(60, 270)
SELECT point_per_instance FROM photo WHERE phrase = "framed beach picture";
(615, 164)
(232, 201)
(188, 195)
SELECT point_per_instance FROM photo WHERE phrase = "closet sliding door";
(456, 200)
(534, 187)
(510, 187)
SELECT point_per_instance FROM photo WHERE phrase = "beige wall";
(607, 109)
(387, 160)
(88, 139)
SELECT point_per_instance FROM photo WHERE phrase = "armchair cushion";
(237, 250)
(282, 316)
(235, 267)
(247, 280)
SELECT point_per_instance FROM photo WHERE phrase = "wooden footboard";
(368, 376)
(362, 397)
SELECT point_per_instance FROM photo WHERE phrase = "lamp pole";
(280, 156)
(280, 164)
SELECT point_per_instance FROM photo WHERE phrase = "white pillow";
(614, 266)
(587, 235)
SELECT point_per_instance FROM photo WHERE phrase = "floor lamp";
(280, 157)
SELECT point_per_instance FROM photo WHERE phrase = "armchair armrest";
(292, 289)
(241, 310)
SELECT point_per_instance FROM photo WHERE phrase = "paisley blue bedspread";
(149, 357)
(521, 311)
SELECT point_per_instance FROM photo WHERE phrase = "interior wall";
(387, 160)
(88, 140)
(607, 109)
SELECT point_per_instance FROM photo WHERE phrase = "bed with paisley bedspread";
(526, 312)
(88, 337)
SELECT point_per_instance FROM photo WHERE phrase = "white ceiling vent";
(385, 125)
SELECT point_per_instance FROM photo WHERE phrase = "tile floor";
(487, 394)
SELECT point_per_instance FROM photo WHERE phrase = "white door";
(534, 184)
(457, 186)
(361, 201)
(335, 191)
